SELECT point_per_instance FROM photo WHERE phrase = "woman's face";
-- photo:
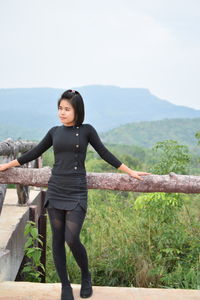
(66, 113)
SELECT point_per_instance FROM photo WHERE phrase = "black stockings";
(66, 226)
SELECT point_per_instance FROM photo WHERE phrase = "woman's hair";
(76, 100)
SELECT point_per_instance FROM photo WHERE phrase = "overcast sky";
(153, 44)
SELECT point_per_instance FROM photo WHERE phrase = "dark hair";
(76, 100)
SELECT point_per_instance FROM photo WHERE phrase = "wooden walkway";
(10, 290)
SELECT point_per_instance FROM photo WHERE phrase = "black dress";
(66, 192)
(67, 185)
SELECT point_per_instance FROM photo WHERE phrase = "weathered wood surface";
(26, 176)
(171, 183)
(3, 187)
(10, 147)
(2, 194)
(24, 190)
(40, 291)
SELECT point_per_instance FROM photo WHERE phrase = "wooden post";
(23, 191)
(42, 229)
(33, 215)
(3, 187)
(2, 194)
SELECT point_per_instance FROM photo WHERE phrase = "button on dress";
(67, 185)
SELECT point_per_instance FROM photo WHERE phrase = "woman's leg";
(73, 223)
(57, 221)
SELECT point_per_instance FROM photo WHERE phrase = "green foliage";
(11, 186)
(148, 133)
(161, 203)
(33, 252)
(48, 158)
(170, 244)
(184, 277)
(197, 136)
(172, 157)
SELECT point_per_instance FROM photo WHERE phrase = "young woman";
(66, 196)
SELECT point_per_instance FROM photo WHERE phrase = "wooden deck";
(10, 290)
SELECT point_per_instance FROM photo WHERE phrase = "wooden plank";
(40, 291)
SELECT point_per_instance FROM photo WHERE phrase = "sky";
(153, 44)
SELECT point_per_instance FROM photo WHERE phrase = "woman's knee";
(71, 240)
(58, 240)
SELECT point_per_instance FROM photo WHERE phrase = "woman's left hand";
(137, 175)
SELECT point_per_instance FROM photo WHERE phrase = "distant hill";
(141, 134)
(32, 111)
(146, 134)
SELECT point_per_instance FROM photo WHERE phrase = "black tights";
(66, 226)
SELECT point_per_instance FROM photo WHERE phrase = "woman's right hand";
(4, 167)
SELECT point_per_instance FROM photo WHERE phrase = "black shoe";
(86, 287)
(67, 293)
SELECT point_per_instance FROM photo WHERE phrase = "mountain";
(32, 111)
(109, 106)
(146, 134)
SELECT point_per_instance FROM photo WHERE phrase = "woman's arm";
(32, 154)
(97, 144)
(37, 151)
(132, 173)
(12, 163)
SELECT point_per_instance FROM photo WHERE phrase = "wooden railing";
(10, 150)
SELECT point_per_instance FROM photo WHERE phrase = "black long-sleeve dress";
(67, 186)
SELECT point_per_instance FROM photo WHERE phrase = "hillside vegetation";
(146, 134)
